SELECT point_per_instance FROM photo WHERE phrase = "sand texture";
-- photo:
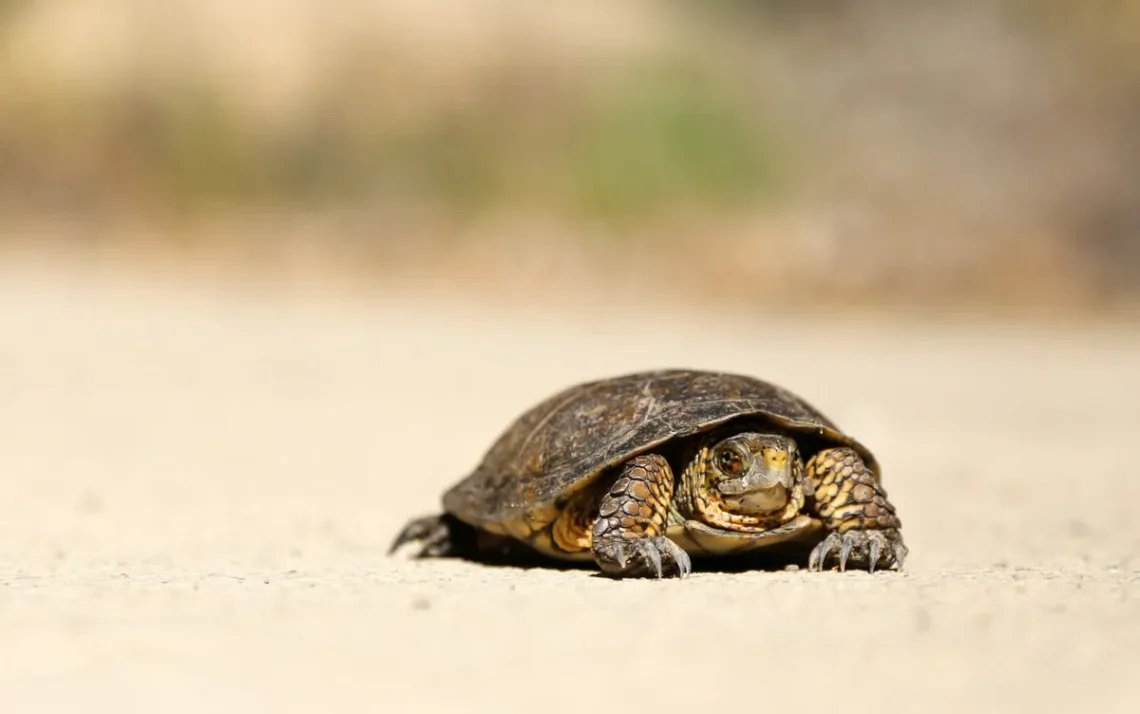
(197, 490)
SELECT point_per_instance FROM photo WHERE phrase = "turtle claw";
(844, 553)
(431, 532)
(619, 556)
(900, 553)
(821, 551)
(654, 558)
(870, 547)
(644, 557)
(677, 555)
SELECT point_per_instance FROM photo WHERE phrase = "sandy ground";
(197, 490)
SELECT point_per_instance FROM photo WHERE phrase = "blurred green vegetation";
(669, 136)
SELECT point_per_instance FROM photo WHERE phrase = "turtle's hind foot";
(437, 535)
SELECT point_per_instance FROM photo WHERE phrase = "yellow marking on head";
(776, 458)
(707, 506)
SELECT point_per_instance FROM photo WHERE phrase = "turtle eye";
(729, 462)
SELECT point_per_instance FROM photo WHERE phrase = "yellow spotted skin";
(637, 503)
(641, 521)
(847, 495)
(634, 506)
(775, 457)
(849, 499)
(628, 535)
(624, 527)
(643, 502)
(696, 499)
(570, 533)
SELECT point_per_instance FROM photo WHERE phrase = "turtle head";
(752, 474)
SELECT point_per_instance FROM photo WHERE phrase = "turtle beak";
(763, 475)
(765, 487)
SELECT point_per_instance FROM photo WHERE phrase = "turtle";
(643, 472)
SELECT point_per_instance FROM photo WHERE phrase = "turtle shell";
(566, 441)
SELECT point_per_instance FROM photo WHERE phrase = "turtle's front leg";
(628, 536)
(854, 508)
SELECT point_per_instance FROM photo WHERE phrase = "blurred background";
(976, 155)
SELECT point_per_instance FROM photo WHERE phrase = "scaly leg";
(628, 538)
(854, 507)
